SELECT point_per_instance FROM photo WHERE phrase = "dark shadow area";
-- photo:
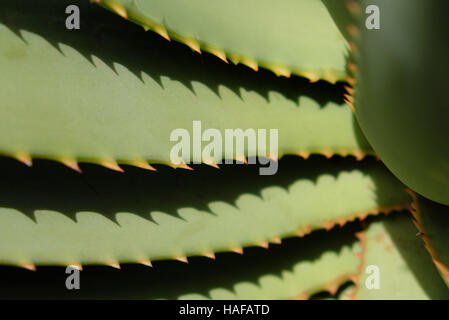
(115, 40)
(171, 279)
(325, 295)
(52, 186)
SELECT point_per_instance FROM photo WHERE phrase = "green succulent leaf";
(296, 269)
(432, 220)
(50, 215)
(109, 93)
(283, 36)
(404, 270)
(401, 102)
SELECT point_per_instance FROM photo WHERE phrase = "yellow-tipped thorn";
(28, 266)
(353, 46)
(276, 240)
(238, 250)
(76, 266)
(146, 262)
(162, 32)
(341, 222)
(313, 77)
(300, 233)
(353, 7)
(212, 164)
(281, 71)
(329, 75)
(72, 164)
(351, 81)
(304, 154)
(350, 105)
(349, 98)
(119, 9)
(111, 164)
(273, 157)
(241, 159)
(24, 158)
(332, 289)
(263, 244)
(193, 44)
(302, 296)
(352, 67)
(328, 225)
(364, 215)
(250, 63)
(182, 259)
(113, 264)
(143, 165)
(183, 166)
(360, 236)
(220, 54)
(327, 153)
(209, 254)
(358, 155)
(303, 231)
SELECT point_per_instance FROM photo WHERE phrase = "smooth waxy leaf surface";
(401, 102)
(285, 36)
(52, 215)
(394, 253)
(109, 92)
(296, 269)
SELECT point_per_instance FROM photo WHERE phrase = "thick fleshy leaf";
(109, 92)
(432, 220)
(296, 269)
(404, 119)
(285, 36)
(53, 215)
(394, 255)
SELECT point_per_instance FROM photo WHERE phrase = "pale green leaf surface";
(298, 36)
(297, 268)
(124, 104)
(405, 269)
(51, 215)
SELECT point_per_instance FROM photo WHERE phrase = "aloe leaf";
(432, 220)
(51, 215)
(283, 36)
(404, 119)
(109, 93)
(404, 271)
(296, 269)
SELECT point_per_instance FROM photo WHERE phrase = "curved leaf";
(285, 36)
(391, 246)
(432, 220)
(51, 215)
(109, 92)
(297, 269)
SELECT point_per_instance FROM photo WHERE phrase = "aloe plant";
(108, 95)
